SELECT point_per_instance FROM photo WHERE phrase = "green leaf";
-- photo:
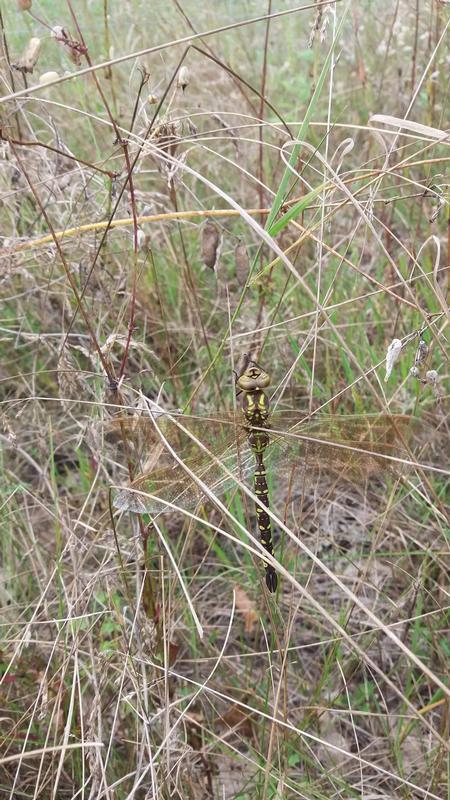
(294, 211)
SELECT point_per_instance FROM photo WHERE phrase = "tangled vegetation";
(186, 187)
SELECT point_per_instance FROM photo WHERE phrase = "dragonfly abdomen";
(264, 524)
(256, 409)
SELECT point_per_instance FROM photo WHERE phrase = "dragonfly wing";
(184, 485)
(353, 447)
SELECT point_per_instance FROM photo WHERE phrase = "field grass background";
(237, 178)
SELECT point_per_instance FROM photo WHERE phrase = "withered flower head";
(29, 57)
(183, 78)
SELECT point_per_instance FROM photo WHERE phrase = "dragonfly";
(248, 442)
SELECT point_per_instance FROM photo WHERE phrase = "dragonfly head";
(253, 378)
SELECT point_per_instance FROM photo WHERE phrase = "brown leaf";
(237, 718)
(174, 649)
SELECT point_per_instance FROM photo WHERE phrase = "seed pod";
(29, 57)
(48, 77)
(210, 247)
(242, 263)
(24, 5)
(183, 78)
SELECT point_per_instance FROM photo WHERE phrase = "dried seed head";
(166, 136)
(143, 241)
(152, 99)
(70, 383)
(392, 355)
(414, 372)
(73, 48)
(29, 57)
(315, 26)
(242, 262)
(210, 247)
(183, 78)
(112, 339)
(327, 15)
(48, 77)
(10, 436)
(432, 378)
(438, 206)
(421, 352)
(58, 33)
(192, 128)
(24, 5)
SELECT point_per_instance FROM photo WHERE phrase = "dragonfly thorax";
(255, 406)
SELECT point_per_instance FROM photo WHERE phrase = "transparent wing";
(208, 447)
(176, 486)
(351, 447)
(354, 446)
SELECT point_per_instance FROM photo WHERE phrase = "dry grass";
(158, 223)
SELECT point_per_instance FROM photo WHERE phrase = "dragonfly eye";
(253, 378)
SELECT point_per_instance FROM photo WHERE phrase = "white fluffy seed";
(392, 355)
